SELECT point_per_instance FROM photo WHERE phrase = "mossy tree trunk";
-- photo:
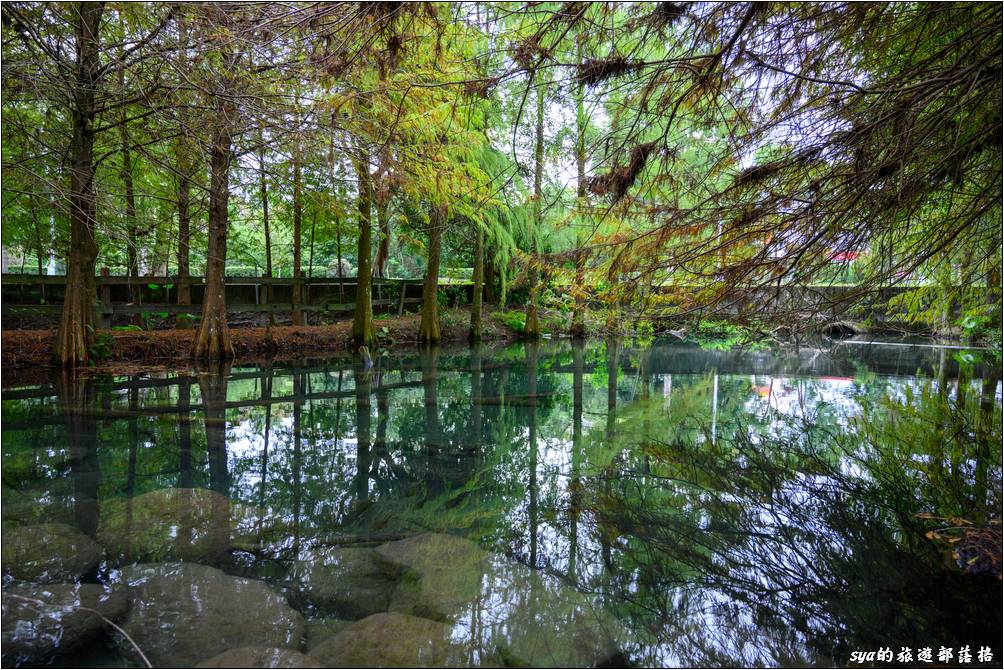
(477, 288)
(76, 331)
(428, 329)
(363, 331)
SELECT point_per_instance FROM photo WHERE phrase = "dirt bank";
(25, 352)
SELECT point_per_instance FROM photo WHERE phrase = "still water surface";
(543, 505)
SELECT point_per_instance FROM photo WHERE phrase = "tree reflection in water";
(729, 508)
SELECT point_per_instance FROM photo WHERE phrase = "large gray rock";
(348, 582)
(174, 524)
(524, 617)
(48, 553)
(392, 640)
(260, 657)
(39, 622)
(183, 613)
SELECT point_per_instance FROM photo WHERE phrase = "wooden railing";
(42, 294)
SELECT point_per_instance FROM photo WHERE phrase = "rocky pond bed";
(148, 587)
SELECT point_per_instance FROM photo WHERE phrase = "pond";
(560, 504)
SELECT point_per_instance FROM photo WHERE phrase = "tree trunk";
(383, 244)
(531, 330)
(184, 321)
(212, 341)
(491, 282)
(132, 228)
(428, 329)
(476, 289)
(268, 235)
(297, 237)
(76, 332)
(363, 332)
(578, 329)
(183, 150)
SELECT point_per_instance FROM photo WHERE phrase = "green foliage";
(102, 348)
(722, 335)
(513, 319)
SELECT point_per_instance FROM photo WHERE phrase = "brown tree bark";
(212, 341)
(76, 332)
(428, 329)
(363, 331)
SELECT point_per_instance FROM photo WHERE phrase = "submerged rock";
(39, 622)
(48, 552)
(536, 620)
(260, 657)
(441, 574)
(322, 630)
(20, 507)
(349, 582)
(172, 524)
(392, 640)
(523, 616)
(183, 613)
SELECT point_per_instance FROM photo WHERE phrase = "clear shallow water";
(528, 505)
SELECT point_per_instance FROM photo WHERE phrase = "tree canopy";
(637, 160)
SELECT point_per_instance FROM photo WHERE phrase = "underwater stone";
(392, 640)
(32, 633)
(21, 507)
(183, 613)
(442, 574)
(260, 657)
(349, 582)
(321, 630)
(172, 524)
(525, 617)
(48, 552)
